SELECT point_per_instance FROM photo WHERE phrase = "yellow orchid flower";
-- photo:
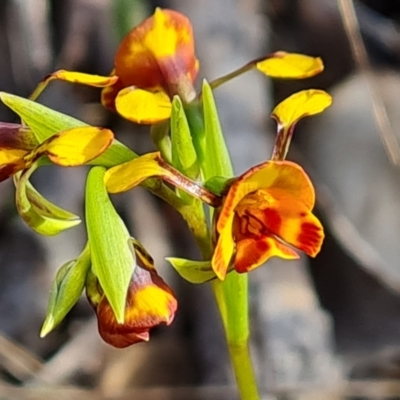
(150, 302)
(265, 213)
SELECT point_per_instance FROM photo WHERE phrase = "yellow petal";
(86, 79)
(74, 77)
(11, 156)
(130, 174)
(225, 247)
(77, 146)
(300, 105)
(290, 65)
(142, 106)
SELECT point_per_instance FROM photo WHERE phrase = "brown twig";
(352, 29)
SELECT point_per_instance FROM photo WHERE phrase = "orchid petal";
(251, 253)
(289, 219)
(290, 65)
(77, 146)
(150, 302)
(299, 105)
(224, 248)
(157, 52)
(86, 79)
(284, 175)
(142, 106)
(130, 174)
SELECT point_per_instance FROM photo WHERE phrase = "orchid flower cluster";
(239, 223)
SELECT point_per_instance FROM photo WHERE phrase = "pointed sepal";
(66, 290)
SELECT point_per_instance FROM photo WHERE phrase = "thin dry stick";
(352, 29)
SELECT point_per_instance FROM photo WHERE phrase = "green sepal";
(113, 257)
(46, 122)
(39, 213)
(193, 271)
(184, 156)
(219, 162)
(66, 290)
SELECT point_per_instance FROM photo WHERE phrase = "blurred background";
(327, 328)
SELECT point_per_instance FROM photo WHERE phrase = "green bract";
(113, 258)
(40, 214)
(66, 289)
(192, 271)
(184, 156)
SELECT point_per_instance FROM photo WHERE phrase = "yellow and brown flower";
(267, 212)
(150, 302)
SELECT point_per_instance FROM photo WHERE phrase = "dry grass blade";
(18, 361)
(84, 349)
(351, 26)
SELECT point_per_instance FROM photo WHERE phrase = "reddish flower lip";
(266, 212)
(150, 302)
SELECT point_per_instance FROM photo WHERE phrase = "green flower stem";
(232, 300)
(218, 82)
(232, 294)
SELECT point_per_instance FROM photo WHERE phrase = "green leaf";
(66, 289)
(46, 122)
(113, 259)
(183, 153)
(218, 161)
(193, 271)
(40, 214)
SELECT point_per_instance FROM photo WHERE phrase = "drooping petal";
(290, 65)
(77, 146)
(157, 52)
(142, 106)
(290, 219)
(225, 246)
(150, 302)
(251, 252)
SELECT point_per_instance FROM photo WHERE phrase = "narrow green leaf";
(113, 258)
(45, 122)
(218, 160)
(40, 214)
(193, 271)
(183, 153)
(66, 289)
